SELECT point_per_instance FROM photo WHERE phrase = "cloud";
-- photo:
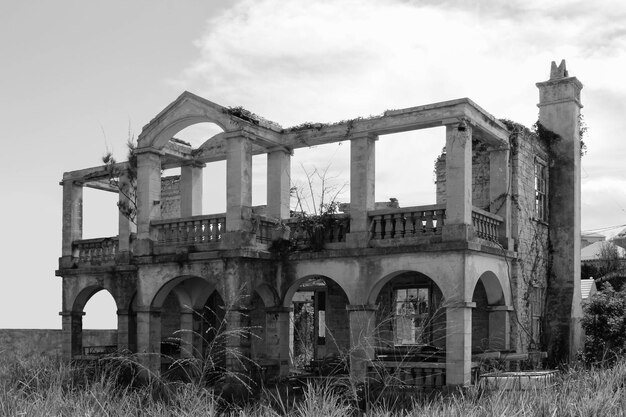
(324, 61)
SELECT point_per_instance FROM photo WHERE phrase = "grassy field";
(39, 386)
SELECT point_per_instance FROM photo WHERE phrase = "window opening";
(541, 192)
(411, 315)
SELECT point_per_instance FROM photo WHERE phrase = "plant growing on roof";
(316, 208)
(124, 179)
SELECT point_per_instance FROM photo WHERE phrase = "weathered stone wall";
(26, 342)
(530, 273)
(170, 197)
(337, 323)
(480, 177)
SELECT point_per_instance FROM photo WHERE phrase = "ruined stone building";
(492, 266)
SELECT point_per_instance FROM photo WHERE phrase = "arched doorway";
(191, 326)
(411, 318)
(97, 335)
(490, 316)
(319, 330)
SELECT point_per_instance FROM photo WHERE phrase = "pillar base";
(357, 239)
(456, 232)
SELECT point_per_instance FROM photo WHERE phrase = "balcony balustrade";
(96, 251)
(486, 224)
(314, 231)
(191, 230)
(407, 222)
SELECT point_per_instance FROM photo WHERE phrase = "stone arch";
(400, 330)
(267, 294)
(380, 283)
(293, 288)
(490, 315)
(188, 109)
(319, 323)
(493, 288)
(85, 294)
(189, 288)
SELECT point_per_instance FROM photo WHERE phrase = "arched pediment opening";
(187, 110)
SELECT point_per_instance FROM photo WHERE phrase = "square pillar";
(72, 330)
(148, 191)
(362, 182)
(149, 341)
(499, 193)
(191, 189)
(238, 181)
(122, 329)
(126, 226)
(459, 344)
(362, 339)
(499, 327)
(72, 215)
(458, 222)
(277, 337)
(186, 334)
(238, 343)
(278, 183)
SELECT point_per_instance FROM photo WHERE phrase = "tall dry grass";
(41, 386)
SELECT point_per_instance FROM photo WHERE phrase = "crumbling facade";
(491, 267)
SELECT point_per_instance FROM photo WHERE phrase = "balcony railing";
(407, 222)
(307, 232)
(486, 224)
(190, 230)
(96, 251)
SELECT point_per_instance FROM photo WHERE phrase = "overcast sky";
(76, 77)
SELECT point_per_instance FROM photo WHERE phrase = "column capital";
(71, 313)
(460, 304)
(364, 135)
(361, 307)
(149, 150)
(279, 309)
(500, 308)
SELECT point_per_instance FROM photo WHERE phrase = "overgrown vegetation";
(124, 179)
(604, 323)
(40, 386)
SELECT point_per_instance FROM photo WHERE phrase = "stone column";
(277, 336)
(499, 327)
(125, 224)
(238, 182)
(559, 111)
(72, 215)
(458, 223)
(149, 341)
(278, 183)
(500, 193)
(148, 197)
(362, 181)
(237, 339)
(362, 338)
(459, 344)
(72, 330)
(187, 348)
(123, 319)
(191, 189)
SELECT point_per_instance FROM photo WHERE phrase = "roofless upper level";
(244, 135)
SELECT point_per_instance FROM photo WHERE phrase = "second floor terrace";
(169, 213)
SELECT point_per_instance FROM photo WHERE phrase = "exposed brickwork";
(170, 197)
(530, 235)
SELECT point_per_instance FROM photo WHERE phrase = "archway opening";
(97, 335)
(411, 319)
(490, 317)
(319, 330)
